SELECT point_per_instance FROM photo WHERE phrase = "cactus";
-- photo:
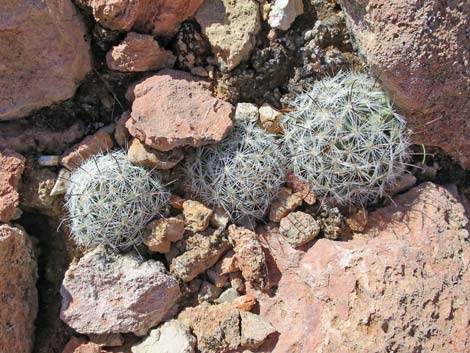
(345, 139)
(241, 174)
(110, 201)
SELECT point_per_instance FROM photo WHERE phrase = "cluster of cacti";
(110, 201)
(345, 139)
(241, 174)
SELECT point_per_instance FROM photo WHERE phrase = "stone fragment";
(11, 167)
(89, 347)
(173, 109)
(18, 294)
(227, 296)
(126, 294)
(299, 228)
(284, 12)
(285, 202)
(137, 53)
(108, 340)
(250, 256)
(231, 27)
(43, 53)
(48, 161)
(215, 276)
(301, 186)
(99, 142)
(433, 87)
(237, 282)
(228, 264)
(73, 344)
(199, 71)
(403, 183)
(208, 292)
(270, 119)
(245, 302)
(254, 330)
(246, 112)
(357, 222)
(161, 17)
(61, 184)
(196, 215)
(171, 337)
(219, 218)
(162, 232)
(142, 155)
(121, 135)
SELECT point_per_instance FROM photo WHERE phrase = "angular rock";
(284, 12)
(18, 294)
(162, 232)
(126, 295)
(231, 27)
(137, 53)
(142, 155)
(420, 53)
(245, 302)
(250, 256)
(108, 340)
(99, 142)
(174, 109)
(284, 203)
(161, 17)
(228, 264)
(171, 337)
(227, 296)
(302, 187)
(61, 184)
(254, 330)
(43, 53)
(246, 112)
(11, 167)
(215, 276)
(73, 344)
(196, 215)
(299, 228)
(208, 292)
(404, 279)
(270, 119)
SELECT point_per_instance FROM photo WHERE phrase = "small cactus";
(110, 201)
(241, 174)
(344, 138)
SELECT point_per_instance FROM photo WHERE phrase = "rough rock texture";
(420, 53)
(299, 228)
(285, 202)
(173, 109)
(171, 337)
(126, 295)
(246, 112)
(402, 286)
(162, 232)
(270, 119)
(18, 294)
(161, 17)
(140, 154)
(196, 215)
(284, 12)
(231, 27)
(11, 168)
(302, 187)
(43, 55)
(139, 52)
(254, 330)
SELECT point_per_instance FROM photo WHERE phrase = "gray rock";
(299, 228)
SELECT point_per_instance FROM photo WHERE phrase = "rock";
(99, 142)
(43, 53)
(284, 12)
(403, 183)
(137, 53)
(419, 51)
(171, 337)
(121, 134)
(250, 256)
(254, 330)
(11, 167)
(227, 296)
(196, 215)
(404, 279)
(301, 186)
(299, 228)
(202, 253)
(161, 17)
(162, 232)
(61, 184)
(73, 344)
(246, 112)
(48, 161)
(245, 302)
(231, 27)
(89, 347)
(108, 340)
(208, 292)
(18, 294)
(270, 119)
(237, 282)
(228, 264)
(126, 295)
(199, 71)
(284, 203)
(216, 276)
(174, 109)
(142, 155)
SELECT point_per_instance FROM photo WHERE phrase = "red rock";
(11, 167)
(91, 145)
(43, 54)
(404, 279)
(419, 50)
(300, 186)
(173, 109)
(140, 154)
(285, 203)
(161, 17)
(73, 344)
(139, 52)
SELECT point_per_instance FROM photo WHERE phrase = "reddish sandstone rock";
(173, 109)
(139, 52)
(406, 278)
(43, 55)
(11, 167)
(419, 50)
(143, 155)
(161, 17)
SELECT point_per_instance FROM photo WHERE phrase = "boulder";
(11, 167)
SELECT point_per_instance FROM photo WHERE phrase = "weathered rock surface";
(270, 119)
(43, 54)
(173, 109)
(299, 228)
(162, 232)
(140, 154)
(18, 294)
(161, 17)
(401, 286)
(137, 53)
(284, 12)
(231, 27)
(11, 168)
(285, 203)
(126, 295)
(196, 215)
(254, 330)
(246, 112)
(420, 53)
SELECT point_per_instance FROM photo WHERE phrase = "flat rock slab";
(174, 109)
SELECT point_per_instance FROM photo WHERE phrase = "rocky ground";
(161, 77)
